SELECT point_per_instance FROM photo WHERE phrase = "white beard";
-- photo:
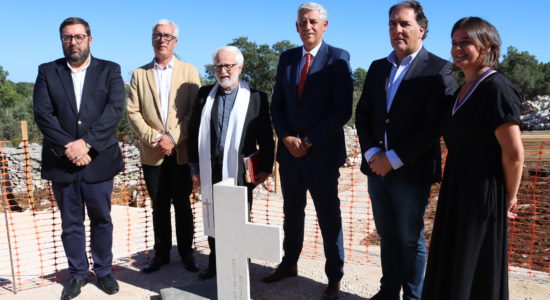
(227, 83)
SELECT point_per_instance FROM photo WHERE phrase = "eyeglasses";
(227, 67)
(159, 36)
(79, 38)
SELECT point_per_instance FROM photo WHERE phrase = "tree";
(358, 76)
(260, 63)
(542, 87)
(3, 76)
(124, 124)
(15, 106)
(523, 70)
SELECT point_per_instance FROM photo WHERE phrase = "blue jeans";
(398, 209)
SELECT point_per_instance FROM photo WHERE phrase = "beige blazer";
(144, 111)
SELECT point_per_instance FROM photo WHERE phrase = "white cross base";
(237, 240)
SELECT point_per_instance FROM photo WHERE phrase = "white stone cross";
(237, 240)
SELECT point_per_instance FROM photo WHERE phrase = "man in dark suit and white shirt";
(312, 100)
(229, 122)
(397, 120)
(78, 102)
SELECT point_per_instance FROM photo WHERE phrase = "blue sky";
(121, 29)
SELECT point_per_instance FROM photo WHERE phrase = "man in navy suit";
(78, 102)
(312, 100)
(397, 120)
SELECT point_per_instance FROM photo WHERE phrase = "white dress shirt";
(78, 77)
(164, 80)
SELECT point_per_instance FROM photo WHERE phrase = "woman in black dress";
(468, 256)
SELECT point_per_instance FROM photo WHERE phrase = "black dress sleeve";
(504, 104)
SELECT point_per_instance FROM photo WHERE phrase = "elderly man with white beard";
(229, 121)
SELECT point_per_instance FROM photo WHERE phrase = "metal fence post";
(5, 209)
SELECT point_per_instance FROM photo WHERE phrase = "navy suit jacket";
(321, 112)
(59, 120)
(257, 132)
(412, 124)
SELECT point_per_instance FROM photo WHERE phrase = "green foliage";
(524, 70)
(260, 63)
(16, 106)
(358, 76)
(3, 76)
(542, 87)
(124, 125)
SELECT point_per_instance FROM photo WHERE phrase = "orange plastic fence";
(31, 253)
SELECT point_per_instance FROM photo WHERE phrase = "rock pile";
(13, 173)
(535, 114)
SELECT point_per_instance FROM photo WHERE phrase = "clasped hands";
(297, 147)
(77, 152)
(164, 145)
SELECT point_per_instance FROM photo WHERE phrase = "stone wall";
(15, 176)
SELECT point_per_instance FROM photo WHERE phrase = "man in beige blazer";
(162, 94)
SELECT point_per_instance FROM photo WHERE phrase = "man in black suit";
(397, 120)
(229, 122)
(78, 102)
(312, 100)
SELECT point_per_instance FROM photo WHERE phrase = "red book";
(251, 166)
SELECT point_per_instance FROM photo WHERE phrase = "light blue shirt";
(397, 73)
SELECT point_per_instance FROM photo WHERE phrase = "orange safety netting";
(31, 252)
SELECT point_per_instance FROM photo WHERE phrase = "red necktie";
(303, 74)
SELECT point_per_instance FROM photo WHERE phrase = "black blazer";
(257, 132)
(56, 115)
(321, 112)
(413, 122)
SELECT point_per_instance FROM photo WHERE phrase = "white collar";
(392, 58)
(86, 65)
(313, 51)
(169, 65)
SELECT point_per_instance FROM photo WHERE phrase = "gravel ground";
(359, 282)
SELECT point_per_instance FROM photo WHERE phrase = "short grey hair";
(238, 54)
(314, 6)
(167, 22)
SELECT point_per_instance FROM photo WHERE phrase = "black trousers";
(71, 199)
(217, 177)
(170, 184)
(322, 183)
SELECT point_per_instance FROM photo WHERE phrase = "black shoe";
(382, 296)
(210, 272)
(281, 273)
(332, 292)
(378, 296)
(190, 262)
(108, 284)
(156, 263)
(73, 288)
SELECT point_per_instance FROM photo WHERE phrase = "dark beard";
(76, 58)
